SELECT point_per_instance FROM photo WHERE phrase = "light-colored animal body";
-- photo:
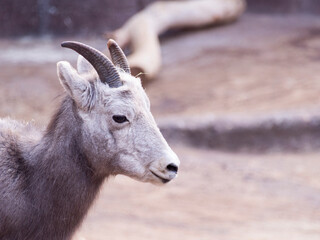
(103, 127)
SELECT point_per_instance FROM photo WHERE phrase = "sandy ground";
(259, 65)
(216, 196)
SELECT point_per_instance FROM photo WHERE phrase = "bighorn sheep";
(103, 127)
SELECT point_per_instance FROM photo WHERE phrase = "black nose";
(172, 167)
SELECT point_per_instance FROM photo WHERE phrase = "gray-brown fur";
(46, 187)
(49, 179)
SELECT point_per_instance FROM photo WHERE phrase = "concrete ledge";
(281, 132)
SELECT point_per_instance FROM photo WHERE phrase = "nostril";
(172, 167)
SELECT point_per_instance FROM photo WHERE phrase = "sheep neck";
(65, 185)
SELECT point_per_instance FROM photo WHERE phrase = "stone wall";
(57, 17)
(284, 6)
(31, 17)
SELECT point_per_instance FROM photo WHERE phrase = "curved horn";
(117, 56)
(104, 67)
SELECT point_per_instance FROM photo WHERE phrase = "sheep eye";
(120, 118)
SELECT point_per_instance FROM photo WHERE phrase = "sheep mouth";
(164, 180)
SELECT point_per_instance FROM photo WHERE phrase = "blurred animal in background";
(104, 127)
(141, 31)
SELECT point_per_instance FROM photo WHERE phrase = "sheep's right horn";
(104, 67)
(117, 56)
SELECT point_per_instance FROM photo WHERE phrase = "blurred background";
(237, 100)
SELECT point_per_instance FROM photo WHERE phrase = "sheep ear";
(75, 85)
(83, 66)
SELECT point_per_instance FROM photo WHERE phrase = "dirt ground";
(257, 66)
(216, 196)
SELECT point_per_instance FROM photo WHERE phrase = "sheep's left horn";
(117, 56)
(106, 70)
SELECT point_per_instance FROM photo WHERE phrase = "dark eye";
(120, 118)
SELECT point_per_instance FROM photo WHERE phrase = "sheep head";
(119, 133)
